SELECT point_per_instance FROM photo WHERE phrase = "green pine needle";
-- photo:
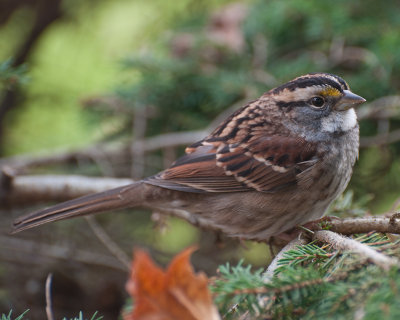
(9, 316)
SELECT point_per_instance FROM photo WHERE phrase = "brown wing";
(197, 172)
(267, 164)
(263, 164)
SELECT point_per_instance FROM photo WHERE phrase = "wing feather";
(266, 164)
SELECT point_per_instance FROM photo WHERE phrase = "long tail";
(118, 198)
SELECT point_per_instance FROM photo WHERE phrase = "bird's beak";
(348, 100)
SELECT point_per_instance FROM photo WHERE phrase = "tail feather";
(118, 198)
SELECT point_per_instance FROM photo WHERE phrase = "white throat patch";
(339, 121)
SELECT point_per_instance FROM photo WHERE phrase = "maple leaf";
(176, 294)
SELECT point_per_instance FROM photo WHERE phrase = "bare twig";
(28, 189)
(49, 304)
(343, 243)
(269, 273)
(108, 242)
(362, 225)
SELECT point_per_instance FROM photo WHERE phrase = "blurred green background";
(86, 72)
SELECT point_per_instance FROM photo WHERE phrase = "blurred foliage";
(77, 58)
(295, 37)
(11, 76)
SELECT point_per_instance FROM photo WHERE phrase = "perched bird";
(275, 163)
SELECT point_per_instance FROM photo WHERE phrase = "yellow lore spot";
(331, 92)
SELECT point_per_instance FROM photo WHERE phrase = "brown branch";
(343, 243)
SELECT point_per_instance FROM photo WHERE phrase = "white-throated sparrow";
(275, 163)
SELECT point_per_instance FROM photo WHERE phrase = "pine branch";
(326, 284)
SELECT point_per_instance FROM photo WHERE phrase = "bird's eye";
(317, 101)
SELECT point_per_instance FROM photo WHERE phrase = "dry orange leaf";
(176, 294)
